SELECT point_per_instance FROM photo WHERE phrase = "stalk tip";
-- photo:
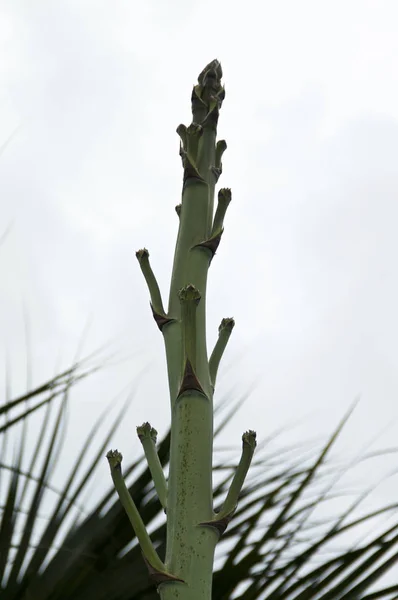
(249, 438)
(114, 459)
(212, 70)
(147, 431)
(228, 324)
(142, 254)
(225, 195)
(189, 293)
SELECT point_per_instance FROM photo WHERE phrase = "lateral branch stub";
(224, 198)
(221, 146)
(148, 437)
(224, 333)
(189, 150)
(178, 210)
(224, 516)
(189, 298)
(211, 244)
(156, 299)
(157, 568)
(248, 446)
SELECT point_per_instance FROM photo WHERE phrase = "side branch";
(224, 333)
(223, 517)
(221, 146)
(148, 437)
(224, 198)
(154, 291)
(189, 298)
(248, 446)
(115, 459)
(156, 299)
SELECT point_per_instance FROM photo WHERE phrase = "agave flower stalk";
(193, 527)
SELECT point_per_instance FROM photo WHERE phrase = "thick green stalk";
(190, 547)
(193, 528)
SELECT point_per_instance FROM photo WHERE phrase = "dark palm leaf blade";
(279, 496)
(302, 487)
(63, 507)
(7, 522)
(269, 501)
(55, 387)
(94, 545)
(346, 584)
(335, 530)
(324, 575)
(35, 453)
(383, 593)
(10, 511)
(232, 411)
(233, 570)
(73, 374)
(224, 585)
(9, 516)
(26, 475)
(7, 399)
(99, 557)
(13, 512)
(25, 540)
(371, 578)
(132, 557)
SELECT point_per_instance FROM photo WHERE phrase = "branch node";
(161, 319)
(219, 524)
(224, 333)
(159, 576)
(190, 382)
(211, 244)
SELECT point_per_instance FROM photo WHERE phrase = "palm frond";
(273, 548)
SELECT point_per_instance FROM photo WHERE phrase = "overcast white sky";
(307, 263)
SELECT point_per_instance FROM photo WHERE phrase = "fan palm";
(273, 548)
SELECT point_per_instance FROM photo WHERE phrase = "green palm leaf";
(98, 559)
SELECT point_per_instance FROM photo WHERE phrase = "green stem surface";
(193, 529)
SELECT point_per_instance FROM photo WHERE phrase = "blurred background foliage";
(276, 546)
